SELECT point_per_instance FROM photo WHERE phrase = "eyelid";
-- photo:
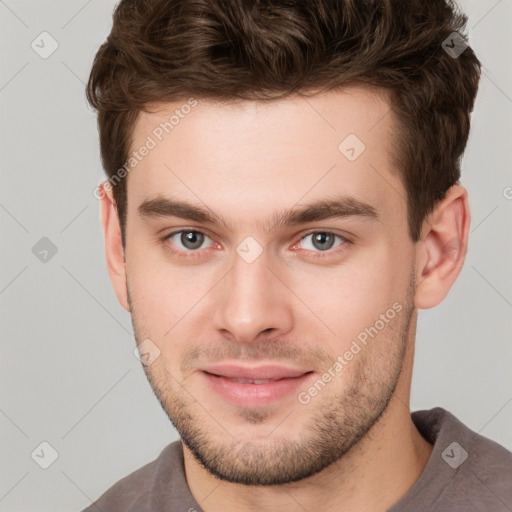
(328, 231)
(187, 230)
(330, 252)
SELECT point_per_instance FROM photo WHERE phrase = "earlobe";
(442, 249)
(114, 252)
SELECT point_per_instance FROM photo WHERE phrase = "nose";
(252, 299)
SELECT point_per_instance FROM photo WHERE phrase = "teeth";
(253, 381)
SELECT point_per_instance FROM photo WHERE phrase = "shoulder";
(135, 489)
(474, 470)
(442, 428)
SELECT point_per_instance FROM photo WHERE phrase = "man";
(283, 195)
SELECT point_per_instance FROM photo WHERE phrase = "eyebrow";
(322, 209)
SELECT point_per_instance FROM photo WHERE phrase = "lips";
(245, 386)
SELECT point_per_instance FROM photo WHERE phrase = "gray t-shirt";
(466, 473)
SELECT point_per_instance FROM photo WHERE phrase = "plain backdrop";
(68, 374)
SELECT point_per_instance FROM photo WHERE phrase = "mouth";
(254, 386)
(247, 381)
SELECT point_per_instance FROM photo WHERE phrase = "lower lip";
(254, 395)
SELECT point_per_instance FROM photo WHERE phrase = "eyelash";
(191, 254)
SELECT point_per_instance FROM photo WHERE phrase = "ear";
(441, 250)
(114, 251)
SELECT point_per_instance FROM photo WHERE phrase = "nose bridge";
(252, 299)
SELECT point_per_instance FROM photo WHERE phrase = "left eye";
(191, 240)
(322, 240)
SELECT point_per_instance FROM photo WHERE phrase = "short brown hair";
(168, 50)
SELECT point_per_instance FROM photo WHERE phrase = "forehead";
(250, 156)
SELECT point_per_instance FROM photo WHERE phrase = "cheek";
(160, 298)
(352, 296)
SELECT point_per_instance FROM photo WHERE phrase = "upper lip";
(274, 372)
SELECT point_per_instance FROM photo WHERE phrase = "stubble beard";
(339, 418)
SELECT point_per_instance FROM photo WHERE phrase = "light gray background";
(68, 373)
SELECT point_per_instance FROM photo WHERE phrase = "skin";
(354, 445)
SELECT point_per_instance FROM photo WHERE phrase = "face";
(269, 272)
